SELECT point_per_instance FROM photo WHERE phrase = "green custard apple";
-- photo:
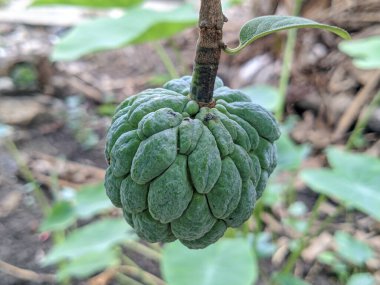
(183, 172)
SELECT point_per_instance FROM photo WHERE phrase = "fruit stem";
(209, 46)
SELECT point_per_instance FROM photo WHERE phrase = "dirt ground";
(47, 124)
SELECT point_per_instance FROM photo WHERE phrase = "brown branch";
(209, 45)
(25, 274)
(353, 111)
(142, 275)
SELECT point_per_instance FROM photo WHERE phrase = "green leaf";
(91, 200)
(263, 26)
(351, 249)
(264, 95)
(60, 217)
(89, 3)
(361, 279)
(290, 155)
(229, 261)
(335, 263)
(366, 52)
(264, 244)
(273, 194)
(138, 25)
(297, 209)
(95, 237)
(287, 279)
(354, 180)
(5, 131)
(299, 226)
(361, 166)
(88, 264)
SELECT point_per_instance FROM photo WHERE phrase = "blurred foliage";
(89, 248)
(24, 76)
(353, 180)
(110, 33)
(90, 3)
(365, 52)
(264, 95)
(229, 261)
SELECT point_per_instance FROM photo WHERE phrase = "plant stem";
(288, 267)
(126, 280)
(144, 276)
(363, 121)
(39, 195)
(287, 65)
(165, 58)
(209, 45)
(143, 250)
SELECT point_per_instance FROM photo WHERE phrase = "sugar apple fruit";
(183, 172)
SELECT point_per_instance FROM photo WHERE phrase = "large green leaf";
(351, 249)
(354, 180)
(89, 3)
(366, 52)
(91, 200)
(361, 279)
(264, 95)
(290, 155)
(229, 261)
(263, 26)
(95, 237)
(138, 25)
(88, 264)
(287, 279)
(60, 216)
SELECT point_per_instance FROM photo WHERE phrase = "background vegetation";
(318, 221)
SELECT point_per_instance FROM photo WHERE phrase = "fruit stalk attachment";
(209, 46)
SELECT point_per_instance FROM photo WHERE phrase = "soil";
(21, 244)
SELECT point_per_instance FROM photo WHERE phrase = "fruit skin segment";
(180, 171)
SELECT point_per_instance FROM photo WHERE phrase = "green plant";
(365, 56)
(353, 180)
(81, 251)
(24, 76)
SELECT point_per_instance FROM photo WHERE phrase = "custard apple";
(183, 172)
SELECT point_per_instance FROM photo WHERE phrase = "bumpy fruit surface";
(183, 172)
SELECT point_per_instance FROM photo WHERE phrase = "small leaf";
(290, 155)
(91, 200)
(354, 180)
(297, 209)
(264, 95)
(273, 194)
(229, 261)
(361, 279)
(138, 25)
(299, 226)
(264, 244)
(5, 131)
(88, 264)
(263, 26)
(89, 3)
(60, 217)
(335, 263)
(351, 249)
(287, 279)
(95, 237)
(365, 52)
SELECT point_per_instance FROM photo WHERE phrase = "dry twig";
(25, 274)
